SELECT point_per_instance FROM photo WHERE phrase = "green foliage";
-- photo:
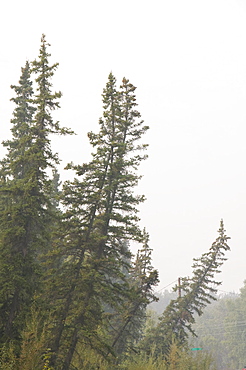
(8, 360)
(67, 251)
(100, 217)
(89, 359)
(128, 321)
(197, 292)
(176, 359)
(33, 355)
(27, 212)
(222, 331)
(18, 218)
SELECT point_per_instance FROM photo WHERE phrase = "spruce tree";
(100, 214)
(46, 102)
(18, 271)
(27, 212)
(128, 322)
(196, 293)
(43, 159)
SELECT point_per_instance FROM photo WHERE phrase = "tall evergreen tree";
(18, 273)
(25, 194)
(100, 211)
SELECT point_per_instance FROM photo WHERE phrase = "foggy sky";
(188, 61)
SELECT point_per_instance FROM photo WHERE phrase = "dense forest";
(72, 294)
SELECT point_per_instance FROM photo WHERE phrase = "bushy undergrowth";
(176, 360)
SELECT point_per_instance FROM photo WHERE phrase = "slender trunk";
(69, 356)
(128, 320)
(62, 318)
(77, 323)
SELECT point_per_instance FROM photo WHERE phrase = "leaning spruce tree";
(26, 209)
(128, 321)
(100, 214)
(196, 293)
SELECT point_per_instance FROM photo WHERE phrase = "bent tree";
(127, 322)
(100, 215)
(197, 292)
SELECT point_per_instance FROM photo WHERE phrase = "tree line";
(222, 330)
(72, 294)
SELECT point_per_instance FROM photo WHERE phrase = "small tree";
(128, 322)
